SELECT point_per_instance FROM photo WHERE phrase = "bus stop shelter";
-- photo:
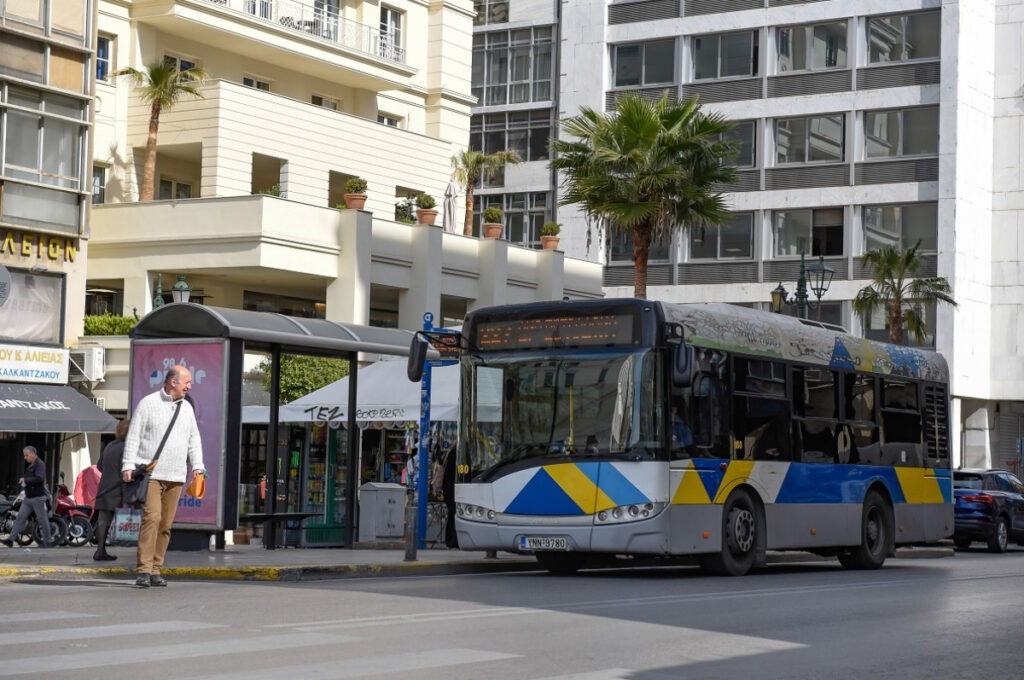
(169, 333)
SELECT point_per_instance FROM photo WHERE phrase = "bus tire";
(561, 563)
(739, 537)
(876, 535)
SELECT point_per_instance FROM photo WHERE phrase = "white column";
(348, 296)
(424, 294)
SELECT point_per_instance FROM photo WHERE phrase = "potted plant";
(549, 235)
(425, 212)
(493, 226)
(355, 193)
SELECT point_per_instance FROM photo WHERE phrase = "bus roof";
(739, 329)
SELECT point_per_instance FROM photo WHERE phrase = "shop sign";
(16, 246)
(31, 364)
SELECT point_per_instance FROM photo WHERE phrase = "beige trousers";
(157, 517)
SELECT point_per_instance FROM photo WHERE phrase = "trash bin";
(381, 511)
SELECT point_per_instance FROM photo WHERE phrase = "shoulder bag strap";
(163, 441)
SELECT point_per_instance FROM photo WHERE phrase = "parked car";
(989, 507)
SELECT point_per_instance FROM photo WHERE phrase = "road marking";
(366, 666)
(90, 632)
(24, 617)
(174, 652)
(604, 674)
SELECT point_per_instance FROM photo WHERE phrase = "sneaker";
(103, 557)
(142, 581)
(8, 542)
(157, 581)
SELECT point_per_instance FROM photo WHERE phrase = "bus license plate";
(543, 543)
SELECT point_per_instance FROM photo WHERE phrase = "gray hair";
(31, 449)
(173, 374)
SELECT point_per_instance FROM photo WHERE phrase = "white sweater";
(149, 422)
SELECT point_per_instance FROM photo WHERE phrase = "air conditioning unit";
(101, 402)
(87, 364)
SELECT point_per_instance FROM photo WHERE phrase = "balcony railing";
(321, 22)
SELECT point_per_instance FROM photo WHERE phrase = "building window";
(180, 63)
(525, 213)
(622, 246)
(490, 12)
(325, 102)
(253, 81)
(390, 32)
(99, 184)
(513, 67)
(731, 241)
(643, 64)
(104, 57)
(811, 232)
(528, 133)
(744, 135)
(906, 132)
(389, 120)
(901, 226)
(811, 47)
(173, 189)
(38, 147)
(876, 325)
(809, 140)
(726, 55)
(902, 37)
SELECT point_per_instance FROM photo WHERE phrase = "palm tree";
(161, 86)
(467, 167)
(895, 288)
(648, 168)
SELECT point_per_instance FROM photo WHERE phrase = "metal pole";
(424, 451)
(352, 459)
(269, 526)
(801, 290)
(410, 531)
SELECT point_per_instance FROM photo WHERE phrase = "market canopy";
(50, 408)
(384, 394)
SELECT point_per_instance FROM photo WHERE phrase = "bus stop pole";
(423, 461)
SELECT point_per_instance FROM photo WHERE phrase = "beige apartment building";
(301, 96)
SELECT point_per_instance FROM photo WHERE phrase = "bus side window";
(901, 424)
(708, 417)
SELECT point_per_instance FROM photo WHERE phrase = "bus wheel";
(739, 538)
(561, 563)
(876, 537)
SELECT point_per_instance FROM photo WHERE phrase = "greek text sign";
(25, 363)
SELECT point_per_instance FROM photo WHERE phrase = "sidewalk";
(254, 563)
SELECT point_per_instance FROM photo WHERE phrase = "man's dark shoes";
(8, 542)
(157, 581)
(142, 581)
(103, 556)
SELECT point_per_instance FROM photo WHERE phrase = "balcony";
(288, 34)
(320, 22)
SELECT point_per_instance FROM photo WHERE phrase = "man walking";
(163, 416)
(34, 482)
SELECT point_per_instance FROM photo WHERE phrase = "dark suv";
(989, 507)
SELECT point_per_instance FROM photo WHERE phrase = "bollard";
(410, 532)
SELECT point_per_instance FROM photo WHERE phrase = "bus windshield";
(520, 410)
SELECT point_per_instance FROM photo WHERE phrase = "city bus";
(607, 430)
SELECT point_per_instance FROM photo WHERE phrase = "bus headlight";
(474, 513)
(628, 513)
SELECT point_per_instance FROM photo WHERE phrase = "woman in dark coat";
(108, 493)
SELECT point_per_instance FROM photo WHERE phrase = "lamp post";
(181, 291)
(158, 297)
(821, 278)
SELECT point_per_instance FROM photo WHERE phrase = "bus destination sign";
(591, 330)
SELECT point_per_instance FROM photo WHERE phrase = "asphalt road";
(957, 617)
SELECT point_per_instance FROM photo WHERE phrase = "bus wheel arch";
(877, 532)
(743, 535)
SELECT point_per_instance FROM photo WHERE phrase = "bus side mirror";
(682, 366)
(417, 357)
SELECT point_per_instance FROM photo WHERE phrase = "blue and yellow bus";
(619, 428)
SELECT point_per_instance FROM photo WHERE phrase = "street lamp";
(821, 278)
(181, 291)
(158, 297)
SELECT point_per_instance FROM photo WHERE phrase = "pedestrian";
(34, 483)
(109, 496)
(163, 423)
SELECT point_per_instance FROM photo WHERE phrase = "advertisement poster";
(150, 361)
